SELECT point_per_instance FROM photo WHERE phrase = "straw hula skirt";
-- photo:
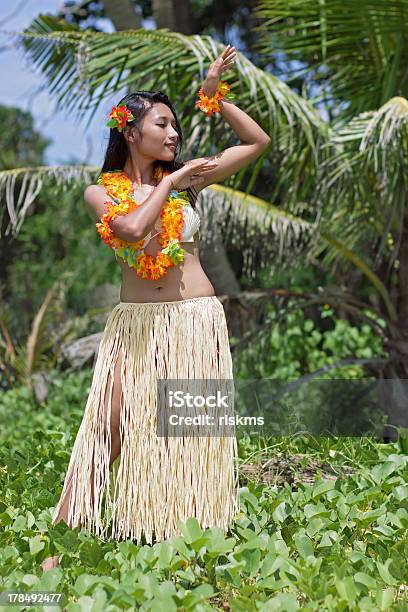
(158, 481)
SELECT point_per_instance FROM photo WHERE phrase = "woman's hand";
(220, 65)
(192, 173)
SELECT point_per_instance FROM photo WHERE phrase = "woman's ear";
(129, 134)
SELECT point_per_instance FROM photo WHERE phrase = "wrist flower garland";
(210, 106)
(119, 187)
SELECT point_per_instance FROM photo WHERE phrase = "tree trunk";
(184, 16)
(164, 14)
(122, 14)
(176, 15)
(216, 264)
(394, 378)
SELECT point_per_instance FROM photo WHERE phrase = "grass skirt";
(153, 486)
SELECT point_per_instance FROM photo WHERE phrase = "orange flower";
(119, 116)
(212, 105)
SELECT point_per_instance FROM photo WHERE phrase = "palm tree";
(356, 55)
(341, 182)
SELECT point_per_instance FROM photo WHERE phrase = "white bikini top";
(191, 224)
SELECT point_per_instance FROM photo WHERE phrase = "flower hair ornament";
(119, 116)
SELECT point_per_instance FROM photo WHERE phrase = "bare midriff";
(184, 281)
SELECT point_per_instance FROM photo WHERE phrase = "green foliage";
(62, 224)
(319, 37)
(296, 345)
(334, 545)
(20, 144)
(312, 348)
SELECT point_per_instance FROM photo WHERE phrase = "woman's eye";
(161, 124)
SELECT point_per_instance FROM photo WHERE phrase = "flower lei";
(212, 105)
(119, 187)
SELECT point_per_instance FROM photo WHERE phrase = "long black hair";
(139, 103)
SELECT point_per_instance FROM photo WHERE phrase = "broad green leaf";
(322, 488)
(383, 570)
(385, 598)
(20, 523)
(90, 553)
(190, 529)
(304, 546)
(84, 583)
(365, 579)
(346, 589)
(36, 545)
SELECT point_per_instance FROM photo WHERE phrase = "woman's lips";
(171, 146)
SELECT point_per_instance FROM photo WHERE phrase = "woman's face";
(158, 131)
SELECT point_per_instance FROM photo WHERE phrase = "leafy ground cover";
(323, 525)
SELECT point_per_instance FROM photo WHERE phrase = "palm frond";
(170, 59)
(19, 188)
(260, 229)
(264, 234)
(83, 69)
(357, 51)
(365, 178)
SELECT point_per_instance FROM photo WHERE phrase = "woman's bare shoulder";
(94, 192)
(96, 197)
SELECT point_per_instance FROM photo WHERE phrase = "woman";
(168, 324)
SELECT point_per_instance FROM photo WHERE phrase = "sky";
(20, 83)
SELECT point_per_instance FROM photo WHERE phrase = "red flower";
(119, 116)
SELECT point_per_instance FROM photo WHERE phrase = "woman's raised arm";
(254, 140)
